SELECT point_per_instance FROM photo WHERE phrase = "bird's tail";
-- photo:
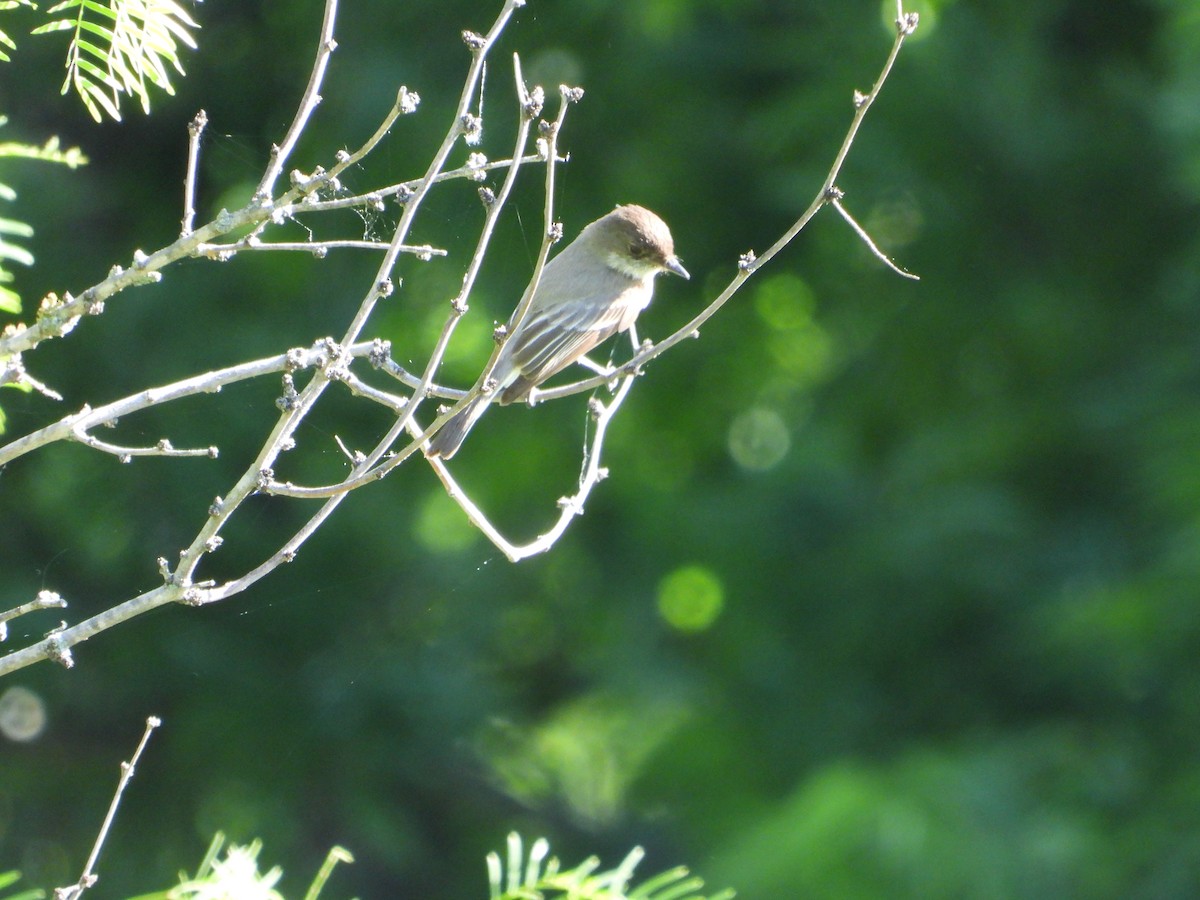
(450, 436)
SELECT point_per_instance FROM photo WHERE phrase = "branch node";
(907, 24)
(287, 402)
(487, 196)
(381, 352)
(472, 129)
(535, 102)
(57, 651)
(477, 164)
(295, 359)
(746, 261)
(197, 124)
(475, 42)
(407, 101)
(570, 94)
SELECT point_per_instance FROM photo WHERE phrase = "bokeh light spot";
(441, 525)
(22, 714)
(759, 439)
(691, 598)
(785, 301)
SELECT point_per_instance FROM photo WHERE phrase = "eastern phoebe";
(590, 291)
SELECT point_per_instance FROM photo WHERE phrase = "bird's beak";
(674, 265)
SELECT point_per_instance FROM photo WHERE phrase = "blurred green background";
(893, 589)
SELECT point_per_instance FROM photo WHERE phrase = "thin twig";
(406, 188)
(280, 153)
(43, 600)
(209, 382)
(125, 454)
(89, 877)
(569, 507)
(836, 203)
(906, 24)
(318, 249)
(195, 130)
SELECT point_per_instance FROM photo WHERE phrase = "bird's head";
(636, 242)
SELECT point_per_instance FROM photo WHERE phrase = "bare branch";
(906, 24)
(569, 507)
(125, 454)
(89, 877)
(836, 203)
(319, 249)
(280, 153)
(43, 600)
(210, 382)
(368, 472)
(195, 130)
(260, 476)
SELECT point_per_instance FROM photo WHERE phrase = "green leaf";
(60, 25)
(133, 44)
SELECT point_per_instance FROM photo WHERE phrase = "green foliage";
(234, 875)
(539, 875)
(8, 879)
(121, 48)
(5, 40)
(10, 250)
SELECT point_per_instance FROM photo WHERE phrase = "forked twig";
(308, 103)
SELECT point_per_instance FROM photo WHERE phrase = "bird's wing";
(550, 339)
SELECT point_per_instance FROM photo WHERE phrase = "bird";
(593, 289)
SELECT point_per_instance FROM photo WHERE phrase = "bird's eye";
(637, 250)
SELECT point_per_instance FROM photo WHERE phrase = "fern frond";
(539, 876)
(121, 48)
